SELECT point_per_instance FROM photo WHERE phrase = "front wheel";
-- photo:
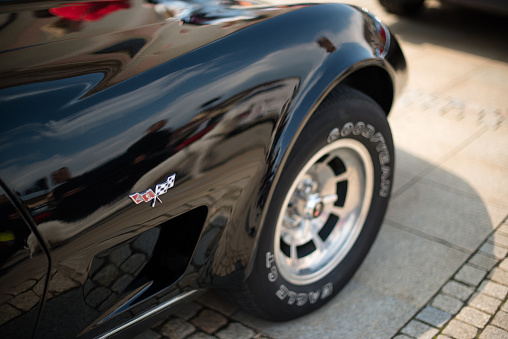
(326, 210)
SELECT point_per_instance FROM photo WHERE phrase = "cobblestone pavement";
(439, 267)
(472, 304)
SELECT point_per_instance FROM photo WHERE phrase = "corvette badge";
(150, 195)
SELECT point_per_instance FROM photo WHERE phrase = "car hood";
(43, 40)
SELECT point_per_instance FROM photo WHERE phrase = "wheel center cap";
(313, 207)
(318, 209)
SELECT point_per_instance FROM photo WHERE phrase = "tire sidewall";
(355, 117)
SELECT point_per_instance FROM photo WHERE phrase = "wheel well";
(374, 82)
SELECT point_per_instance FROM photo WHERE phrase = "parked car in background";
(151, 150)
(412, 7)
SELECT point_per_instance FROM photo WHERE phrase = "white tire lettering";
(282, 292)
(301, 299)
(385, 188)
(369, 131)
(292, 297)
(384, 158)
(360, 126)
(346, 130)
(314, 296)
(334, 135)
(273, 275)
(326, 291)
(385, 172)
(269, 259)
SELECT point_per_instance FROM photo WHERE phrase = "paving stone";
(23, 287)
(499, 275)
(483, 261)
(209, 321)
(148, 334)
(89, 286)
(442, 336)
(446, 303)
(261, 336)
(505, 307)
(493, 289)
(108, 302)
(421, 266)
(459, 330)
(177, 329)
(470, 275)
(106, 275)
(503, 229)
(492, 332)
(357, 312)
(419, 330)
(134, 262)
(457, 290)
(118, 256)
(501, 320)
(499, 239)
(456, 218)
(7, 312)
(473, 317)
(201, 335)
(433, 316)
(188, 310)
(146, 241)
(25, 301)
(493, 250)
(504, 264)
(61, 283)
(122, 282)
(39, 288)
(235, 331)
(97, 296)
(402, 336)
(484, 302)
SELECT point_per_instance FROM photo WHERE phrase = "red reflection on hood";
(89, 11)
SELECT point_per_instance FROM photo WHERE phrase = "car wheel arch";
(357, 77)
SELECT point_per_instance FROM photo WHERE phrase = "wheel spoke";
(344, 176)
(320, 245)
(329, 199)
(337, 211)
(290, 222)
(317, 233)
(293, 255)
(325, 161)
(306, 227)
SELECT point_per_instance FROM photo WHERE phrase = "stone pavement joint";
(455, 108)
(483, 287)
(208, 317)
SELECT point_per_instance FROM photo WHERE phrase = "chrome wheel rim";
(324, 212)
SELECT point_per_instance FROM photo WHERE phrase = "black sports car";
(151, 150)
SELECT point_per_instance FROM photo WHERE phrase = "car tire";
(403, 7)
(326, 210)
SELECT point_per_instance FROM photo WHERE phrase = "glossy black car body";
(103, 100)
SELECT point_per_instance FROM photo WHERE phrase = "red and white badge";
(150, 195)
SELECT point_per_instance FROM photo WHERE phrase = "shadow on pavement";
(430, 231)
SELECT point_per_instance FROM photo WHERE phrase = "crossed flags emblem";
(150, 195)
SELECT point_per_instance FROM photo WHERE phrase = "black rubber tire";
(343, 107)
(403, 7)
